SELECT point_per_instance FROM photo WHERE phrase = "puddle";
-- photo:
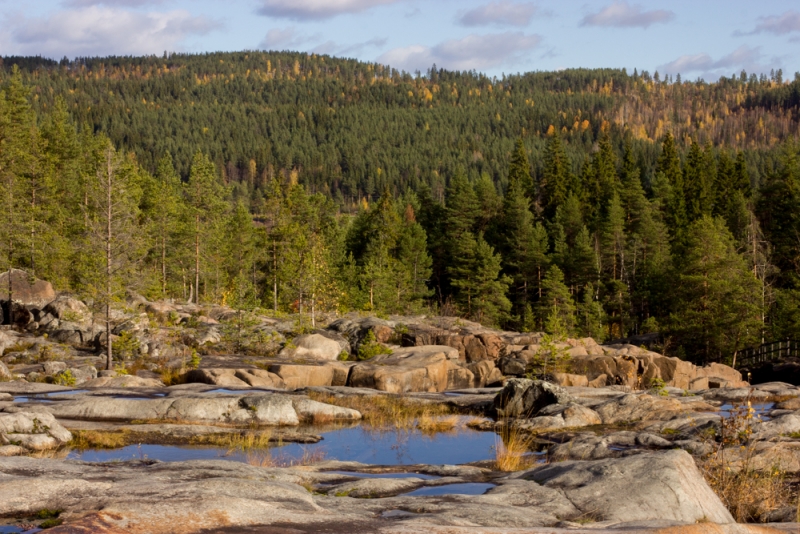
(228, 391)
(11, 529)
(70, 392)
(345, 444)
(164, 453)
(32, 399)
(397, 514)
(469, 488)
(381, 475)
(761, 409)
(47, 397)
(401, 447)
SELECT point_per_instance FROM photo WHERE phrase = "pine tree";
(613, 239)
(16, 123)
(116, 245)
(414, 262)
(519, 247)
(590, 316)
(519, 170)
(669, 165)
(554, 185)
(556, 300)
(165, 211)
(481, 288)
(205, 198)
(717, 308)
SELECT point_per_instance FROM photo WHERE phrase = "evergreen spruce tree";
(519, 170)
(669, 166)
(554, 186)
(556, 303)
(717, 308)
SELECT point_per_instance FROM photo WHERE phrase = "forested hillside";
(586, 202)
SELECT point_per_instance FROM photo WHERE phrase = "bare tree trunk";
(109, 213)
(33, 230)
(197, 258)
(163, 266)
(274, 278)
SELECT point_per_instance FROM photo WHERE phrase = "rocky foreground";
(625, 440)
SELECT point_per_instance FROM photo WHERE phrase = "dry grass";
(512, 451)
(266, 458)
(234, 442)
(173, 376)
(748, 493)
(431, 424)
(98, 439)
(383, 411)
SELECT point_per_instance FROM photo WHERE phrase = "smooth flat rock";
(665, 485)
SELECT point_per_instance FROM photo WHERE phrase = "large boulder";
(69, 310)
(412, 369)
(32, 431)
(260, 378)
(643, 487)
(296, 376)
(5, 374)
(216, 377)
(524, 398)
(28, 291)
(316, 346)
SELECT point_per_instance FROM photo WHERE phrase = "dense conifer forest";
(584, 202)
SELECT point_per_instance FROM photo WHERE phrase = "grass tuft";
(98, 439)
(267, 459)
(431, 424)
(512, 451)
(235, 442)
(383, 411)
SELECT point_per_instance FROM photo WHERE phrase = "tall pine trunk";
(109, 213)
(197, 258)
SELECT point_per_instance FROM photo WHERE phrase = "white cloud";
(472, 52)
(286, 39)
(703, 65)
(111, 3)
(621, 14)
(500, 13)
(100, 31)
(317, 9)
(334, 49)
(788, 22)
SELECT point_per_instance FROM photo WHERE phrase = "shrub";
(65, 378)
(369, 347)
(126, 346)
(194, 361)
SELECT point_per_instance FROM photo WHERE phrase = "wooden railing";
(768, 352)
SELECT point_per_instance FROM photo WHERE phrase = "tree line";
(603, 245)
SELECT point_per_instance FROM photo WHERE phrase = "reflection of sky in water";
(470, 488)
(760, 409)
(10, 529)
(346, 444)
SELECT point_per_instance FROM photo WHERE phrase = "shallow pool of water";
(346, 444)
(11, 529)
(164, 453)
(382, 475)
(47, 397)
(469, 488)
(761, 409)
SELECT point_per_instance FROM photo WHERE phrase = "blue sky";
(697, 38)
